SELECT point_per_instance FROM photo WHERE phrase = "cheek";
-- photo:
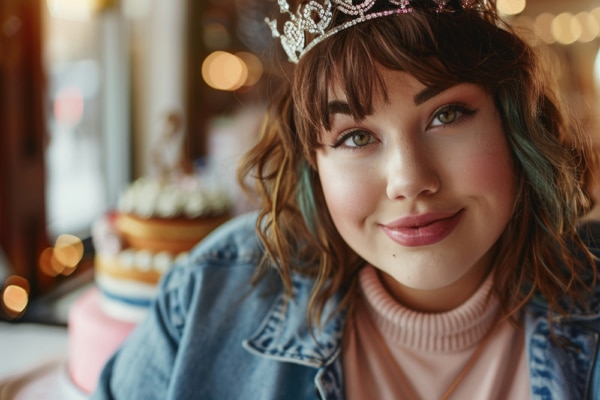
(346, 191)
(490, 170)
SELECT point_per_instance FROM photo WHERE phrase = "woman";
(421, 190)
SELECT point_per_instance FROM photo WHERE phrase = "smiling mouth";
(422, 230)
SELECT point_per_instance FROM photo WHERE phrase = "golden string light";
(590, 26)
(564, 28)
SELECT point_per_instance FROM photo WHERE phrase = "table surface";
(25, 346)
(33, 355)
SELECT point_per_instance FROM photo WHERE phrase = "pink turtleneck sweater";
(392, 352)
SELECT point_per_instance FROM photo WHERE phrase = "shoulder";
(226, 259)
(203, 310)
(234, 241)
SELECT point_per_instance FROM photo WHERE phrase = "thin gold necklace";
(455, 383)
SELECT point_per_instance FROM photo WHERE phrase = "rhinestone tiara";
(313, 18)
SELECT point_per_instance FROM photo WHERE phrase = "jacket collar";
(284, 333)
(561, 356)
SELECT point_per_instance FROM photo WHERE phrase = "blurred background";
(86, 87)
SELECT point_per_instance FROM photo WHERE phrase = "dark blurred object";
(22, 178)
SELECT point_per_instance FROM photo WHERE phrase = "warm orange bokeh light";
(566, 29)
(511, 7)
(224, 71)
(254, 66)
(15, 298)
(47, 263)
(15, 295)
(68, 250)
(63, 258)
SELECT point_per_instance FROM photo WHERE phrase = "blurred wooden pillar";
(22, 140)
(198, 109)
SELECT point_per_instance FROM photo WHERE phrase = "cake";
(93, 337)
(157, 222)
(154, 226)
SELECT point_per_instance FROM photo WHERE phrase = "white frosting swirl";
(127, 259)
(189, 196)
(162, 262)
(143, 260)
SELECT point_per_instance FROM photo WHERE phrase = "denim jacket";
(210, 335)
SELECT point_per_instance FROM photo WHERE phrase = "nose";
(411, 172)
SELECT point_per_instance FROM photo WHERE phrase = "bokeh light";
(63, 258)
(511, 7)
(224, 71)
(48, 264)
(68, 250)
(590, 27)
(566, 29)
(254, 65)
(216, 36)
(15, 296)
(543, 27)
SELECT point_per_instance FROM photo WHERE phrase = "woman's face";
(421, 189)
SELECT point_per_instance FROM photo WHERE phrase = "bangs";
(439, 50)
(351, 61)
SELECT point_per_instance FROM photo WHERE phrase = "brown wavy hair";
(553, 158)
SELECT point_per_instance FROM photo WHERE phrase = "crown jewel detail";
(314, 17)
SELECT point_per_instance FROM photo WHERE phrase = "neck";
(442, 299)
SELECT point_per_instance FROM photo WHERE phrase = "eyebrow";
(427, 93)
(341, 107)
(338, 107)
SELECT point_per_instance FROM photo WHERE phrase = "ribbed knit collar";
(449, 331)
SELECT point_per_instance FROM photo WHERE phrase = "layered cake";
(154, 226)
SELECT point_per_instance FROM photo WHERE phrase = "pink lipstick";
(423, 229)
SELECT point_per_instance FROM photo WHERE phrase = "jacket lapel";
(561, 368)
(284, 335)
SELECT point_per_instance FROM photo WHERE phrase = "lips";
(424, 229)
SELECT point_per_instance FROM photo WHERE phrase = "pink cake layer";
(93, 337)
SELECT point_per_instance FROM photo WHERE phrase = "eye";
(447, 117)
(450, 114)
(354, 139)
